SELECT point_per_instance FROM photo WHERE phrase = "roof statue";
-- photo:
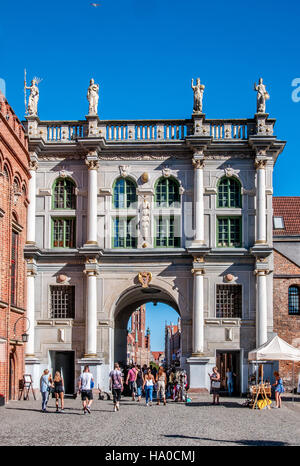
(262, 96)
(198, 95)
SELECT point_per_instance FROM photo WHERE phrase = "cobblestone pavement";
(177, 424)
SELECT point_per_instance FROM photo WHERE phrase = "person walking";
(139, 383)
(85, 384)
(130, 381)
(45, 386)
(116, 385)
(161, 379)
(148, 387)
(278, 389)
(229, 380)
(59, 391)
(215, 385)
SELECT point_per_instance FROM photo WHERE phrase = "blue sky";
(144, 54)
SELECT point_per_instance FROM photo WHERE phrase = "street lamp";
(25, 335)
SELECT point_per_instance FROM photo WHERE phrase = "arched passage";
(128, 302)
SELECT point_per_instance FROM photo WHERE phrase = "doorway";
(64, 362)
(229, 359)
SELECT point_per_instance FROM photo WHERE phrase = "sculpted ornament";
(198, 95)
(145, 278)
(145, 220)
(93, 97)
(32, 107)
(262, 96)
(124, 170)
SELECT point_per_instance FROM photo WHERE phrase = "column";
(198, 313)
(261, 307)
(261, 202)
(29, 351)
(31, 206)
(92, 202)
(91, 314)
(198, 200)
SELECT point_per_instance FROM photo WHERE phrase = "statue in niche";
(198, 95)
(262, 96)
(93, 97)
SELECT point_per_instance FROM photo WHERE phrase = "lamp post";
(24, 335)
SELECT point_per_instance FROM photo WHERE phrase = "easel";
(260, 390)
(25, 387)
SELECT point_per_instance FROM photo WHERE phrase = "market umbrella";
(275, 349)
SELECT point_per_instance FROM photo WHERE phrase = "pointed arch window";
(64, 196)
(124, 193)
(229, 193)
(167, 193)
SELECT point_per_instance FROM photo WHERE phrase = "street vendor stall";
(274, 349)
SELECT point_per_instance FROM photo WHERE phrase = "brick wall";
(286, 326)
(14, 177)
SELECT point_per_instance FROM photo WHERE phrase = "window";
(229, 301)
(63, 232)
(229, 193)
(124, 232)
(64, 194)
(167, 193)
(294, 300)
(62, 302)
(278, 223)
(14, 268)
(124, 193)
(229, 232)
(167, 232)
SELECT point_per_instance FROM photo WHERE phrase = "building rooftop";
(286, 216)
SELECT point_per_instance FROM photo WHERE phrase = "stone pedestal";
(199, 368)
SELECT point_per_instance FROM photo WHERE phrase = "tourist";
(130, 381)
(229, 380)
(278, 389)
(148, 387)
(139, 383)
(45, 387)
(116, 385)
(59, 390)
(85, 384)
(161, 379)
(215, 385)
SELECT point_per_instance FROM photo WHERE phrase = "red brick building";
(158, 357)
(286, 302)
(173, 344)
(14, 177)
(138, 339)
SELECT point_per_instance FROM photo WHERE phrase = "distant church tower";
(138, 340)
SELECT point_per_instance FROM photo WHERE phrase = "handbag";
(215, 384)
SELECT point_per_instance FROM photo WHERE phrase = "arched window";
(294, 300)
(229, 193)
(167, 193)
(124, 193)
(64, 194)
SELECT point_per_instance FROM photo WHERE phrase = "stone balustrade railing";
(144, 130)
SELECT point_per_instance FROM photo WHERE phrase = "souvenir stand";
(274, 349)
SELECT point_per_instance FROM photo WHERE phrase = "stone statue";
(145, 221)
(262, 96)
(198, 95)
(33, 97)
(93, 97)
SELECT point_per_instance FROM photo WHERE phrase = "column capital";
(196, 272)
(92, 164)
(260, 163)
(261, 273)
(33, 165)
(198, 163)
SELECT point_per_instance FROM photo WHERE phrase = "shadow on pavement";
(266, 443)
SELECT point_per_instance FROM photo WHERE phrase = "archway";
(128, 302)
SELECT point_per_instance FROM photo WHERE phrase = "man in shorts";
(130, 381)
(85, 384)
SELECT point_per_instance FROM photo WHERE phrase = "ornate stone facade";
(153, 198)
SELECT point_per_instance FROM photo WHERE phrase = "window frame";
(290, 305)
(133, 239)
(73, 195)
(71, 292)
(229, 218)
(167, 204)
(127, 182)
(64, 219)
(167, 219)
(230, 205)
(236, 286)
